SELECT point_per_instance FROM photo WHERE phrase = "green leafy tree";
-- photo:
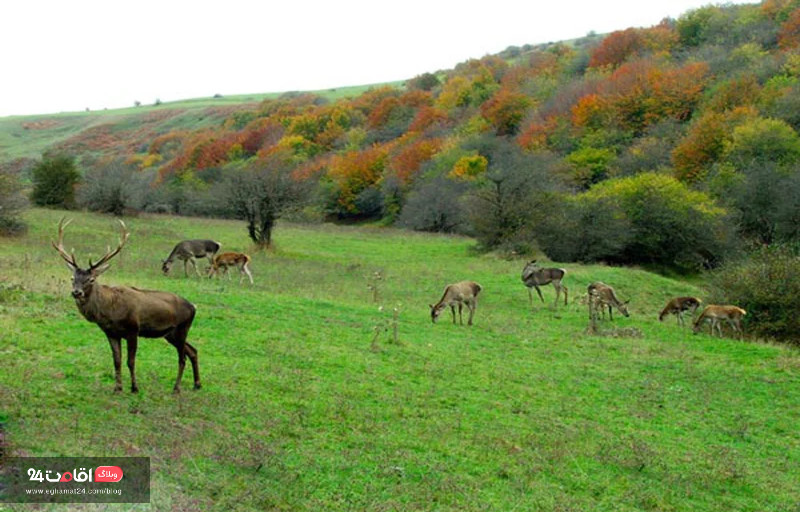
(54, 181)
(764, 140)
(649, 218)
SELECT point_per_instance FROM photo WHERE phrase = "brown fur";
(601, 296)
(124, 312)
(678, 305)
(534, 276)
(231, 259)
(716, 314)
(458, 294)
(187, 251)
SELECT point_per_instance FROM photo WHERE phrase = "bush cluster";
(766, 284)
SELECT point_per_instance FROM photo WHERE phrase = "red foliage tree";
(535, 136)
(427, 117)
(506, 110)
(616, 48)
(407, 161)
(789, 35)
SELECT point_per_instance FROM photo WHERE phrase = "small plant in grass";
(374, 285)
(386, 325)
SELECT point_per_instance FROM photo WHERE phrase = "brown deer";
(461, 293)
(678, 305)
(127, 312)
(602, 295)
(231, 259)
(187, 251)
(533, 276)
(716, 314)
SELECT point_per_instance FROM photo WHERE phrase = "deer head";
(623, 308)
(436, 311)
(83, 279)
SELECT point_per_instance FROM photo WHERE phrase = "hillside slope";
(309, 404)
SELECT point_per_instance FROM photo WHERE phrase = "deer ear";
(99, 270)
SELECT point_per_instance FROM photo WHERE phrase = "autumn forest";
(674, 146)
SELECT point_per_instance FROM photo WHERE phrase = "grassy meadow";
(308, 403)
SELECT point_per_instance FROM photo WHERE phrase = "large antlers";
(70, 258)
(109, 253)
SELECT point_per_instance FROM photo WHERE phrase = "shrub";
(512, 197)
(54, 181)
(108, 189)
(435, 206)
(649, 218)
(12, 202)
(766, 284)
(766, 197)
(578, 230)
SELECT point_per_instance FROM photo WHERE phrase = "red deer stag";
(533, 276)
(127, 312)
(678, 305)
(716, 314)
(461, 293)
(187, 251)
(231, 259)
(600, 296)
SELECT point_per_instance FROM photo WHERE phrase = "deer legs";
(194, 266)
(471, 308)
(558, 287)
(116, 350)
(178, 340)
(540, 293)
(133, 344)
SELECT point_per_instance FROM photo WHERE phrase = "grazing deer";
(678, 305)
(127, 312)
(602, 295)
(461, 293)
(533, 276)
(231, 259)
(716, 314)
(188, 250)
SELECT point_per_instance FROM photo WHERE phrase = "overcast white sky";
(68, 55)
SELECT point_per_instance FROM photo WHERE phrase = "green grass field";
(302, 409)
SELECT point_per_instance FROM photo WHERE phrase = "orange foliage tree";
(506, 110)
(407, 161)
(535, 136)
(427, 117)
(353, 172)
(789, 35)
(616, 48)
(642, 93)
(706, 141)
